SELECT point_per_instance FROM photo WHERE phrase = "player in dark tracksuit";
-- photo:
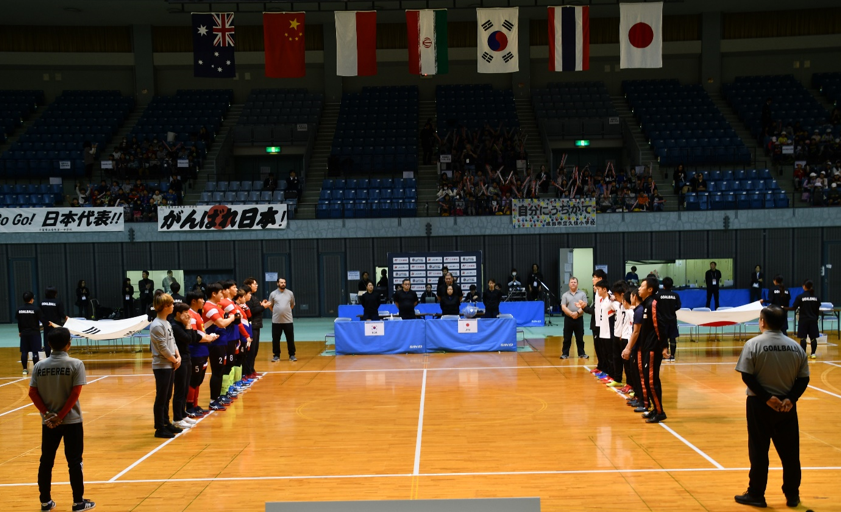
(668, 302)
(809, 305)
(780, 296)
(29, 317)
(654, 349)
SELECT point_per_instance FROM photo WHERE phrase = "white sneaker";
(191, 421)
(183, 425)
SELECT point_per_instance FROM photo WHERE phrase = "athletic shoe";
(791, 501)
(595, 370)
(84, 505)
(649, 414)
(657, 418)
(671, 358)
(48, 505)
(183, 425)
(747, 499)
(172, 428)
(615, 384)
(813, 356)
(216, 406)
(164, 433)
(585, 356)
(633, 403)
(632, 394)
(293, 358)
(564, 357)
(626, 389)
(224, 400)
(641, 409)
(25, 372)
(189, 420)
(275, 359)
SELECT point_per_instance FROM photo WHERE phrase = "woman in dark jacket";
(184, 336)
(757, 279)
(450, 302)
(83, 299)
(128, 298)
(370, 302)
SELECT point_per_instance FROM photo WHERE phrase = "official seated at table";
(370, 302)
(450, 302)
(406, 299)
(449, 281)
(428, 296)
(473, 295)
(491, 298)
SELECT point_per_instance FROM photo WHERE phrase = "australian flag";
(213, 45)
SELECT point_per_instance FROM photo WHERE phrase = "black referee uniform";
(29, 317)
(668, 302)
(52, 310)
(780, 296)
(810, 310)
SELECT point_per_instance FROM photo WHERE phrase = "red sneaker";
(594, 370)
(626, 389)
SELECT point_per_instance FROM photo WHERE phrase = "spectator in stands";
(270, 183)
(427, 136)
(679, 178)
(157, 196)
(543, 180)
(658, 203)
(293, 186)
(89, 156)
(833, 198)
(699, 184)
(171, 198)
(444, 206)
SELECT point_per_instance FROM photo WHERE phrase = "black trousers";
(218, 359)
(182, 384)
(128, 309)
(607, 356)
(199, 368)
(597, 348)
(574, 326)
(620, 365)
(163, 394)
(47, 349)
(74, 445)
(713, 292)
(766, 425)
(652, 359)
(755, 294)
(287, 330)
(633, 375)
(252, 354)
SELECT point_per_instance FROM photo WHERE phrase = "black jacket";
(668, 302)
(52, 310)
(491, 300)
(809, 306)
(79, 293)
(370, 305)
(450, 304)
(756, 280)
(146, 294)
(256, 312)
(128, 291)
(779, 296)
(183, 337)
(713, 274)
(28, 316)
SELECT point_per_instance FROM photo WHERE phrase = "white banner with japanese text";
(52, 220)
(553, 213)
(222, 217)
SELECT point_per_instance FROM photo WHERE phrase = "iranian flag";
(427, 31)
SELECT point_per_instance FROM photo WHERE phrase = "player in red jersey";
(216, 321)
(199, 353)
(229, 291)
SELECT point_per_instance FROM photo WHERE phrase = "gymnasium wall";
(314, 267)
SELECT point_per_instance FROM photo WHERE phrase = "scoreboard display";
(423, 268)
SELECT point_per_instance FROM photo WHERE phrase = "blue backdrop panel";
(494, 334)
(527, 314)
(399, 337)
(731, 297)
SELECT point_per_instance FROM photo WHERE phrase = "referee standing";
(776, 372)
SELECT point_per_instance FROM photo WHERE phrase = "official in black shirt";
(177, 298)
(363, 283)
(146, 287)
(713, 281)
(83, 301)
(450, 302)
(491, 299)
(757, 278)
(406, 300)
(780, 296)
(449, 281)
(200, 286)
(534, 282)
(370, 302)
(441, 281)
(128, 298)
(668, 302)
(29, 317)
(52, 312)
(810, 310)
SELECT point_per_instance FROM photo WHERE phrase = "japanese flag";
(468, 326)
(374, 328)
(641, 35)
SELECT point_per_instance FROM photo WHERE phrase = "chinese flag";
(285, 48)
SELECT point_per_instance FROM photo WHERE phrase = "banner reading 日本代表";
(54, 220)
(222, 217)
(552, 213)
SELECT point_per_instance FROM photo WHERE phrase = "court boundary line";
(695, 448)
(14, 381)
(420, 426)
(824, 391)
(30, 403)
(409, 475)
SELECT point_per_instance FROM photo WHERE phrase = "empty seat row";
(736, 200)
(365, 183)
(245, 197)
(239, 186)
(374, 193)
(366, 209)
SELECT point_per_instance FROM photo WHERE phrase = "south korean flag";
(497, 42)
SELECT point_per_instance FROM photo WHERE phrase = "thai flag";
(569, 38)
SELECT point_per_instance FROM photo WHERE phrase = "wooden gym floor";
(426, 427)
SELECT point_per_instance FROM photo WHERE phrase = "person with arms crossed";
(573, 323)
(713, 281)
(281, 303)
(83, 299)
(809, 306)
(406, 300)
(757, 279)
(776, 373)
(29, 317)
(54, 389)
